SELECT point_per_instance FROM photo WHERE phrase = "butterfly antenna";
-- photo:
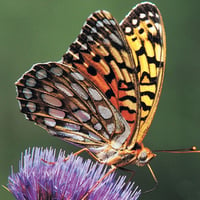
(193, 149)
(154, 178)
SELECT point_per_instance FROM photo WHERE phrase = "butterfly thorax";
(139, 156)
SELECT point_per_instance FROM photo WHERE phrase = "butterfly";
(103, 94)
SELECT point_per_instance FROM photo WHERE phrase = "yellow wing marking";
(145, 35)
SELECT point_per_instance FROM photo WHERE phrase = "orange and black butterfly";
(103, 94)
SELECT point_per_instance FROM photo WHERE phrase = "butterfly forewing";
(102, 54)
(145, 34)
(62, 100)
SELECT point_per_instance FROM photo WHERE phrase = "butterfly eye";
(142, 156)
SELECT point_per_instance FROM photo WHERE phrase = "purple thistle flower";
(37, 179)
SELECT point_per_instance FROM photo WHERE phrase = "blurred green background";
(40, 31)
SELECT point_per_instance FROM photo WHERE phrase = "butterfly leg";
(132, 172)
(112, 169)
(154, 178)
(77, 153)
(86, 150)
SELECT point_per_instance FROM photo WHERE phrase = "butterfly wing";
(102, 54)
(62, 100)
(108, 70)
(144, 31)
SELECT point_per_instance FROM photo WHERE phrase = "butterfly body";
(140, 156)
(104, 93)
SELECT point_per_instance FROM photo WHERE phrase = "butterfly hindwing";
(64, 102)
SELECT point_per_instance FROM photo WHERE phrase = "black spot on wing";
(91, 70)
(109, 93)
(131, 98)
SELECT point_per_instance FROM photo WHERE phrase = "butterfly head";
(143, 156)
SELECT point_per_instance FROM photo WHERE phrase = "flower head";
(39, 179)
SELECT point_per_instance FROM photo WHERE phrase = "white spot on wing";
(95, 94)
(77, 76)
(134, 21)
(105, 21)
(112, 22)
(50, 122)
(158, 27)
(79, 90)
(110, 128)
(82, 115)
(94, 136)
(98, 126)
(89, 38)
(151, 14)
(57, 71)
(72, 127)
(142, 15)
(48, 88)
(31, 106)
(51, 100)
(127, 29)
(157, 15)
(40, 74)
(64, 89)
(114, 38)
(99, 24)
(31, 82)
(56, 113)
(27, 93)
(93, 30)
(104, 112)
